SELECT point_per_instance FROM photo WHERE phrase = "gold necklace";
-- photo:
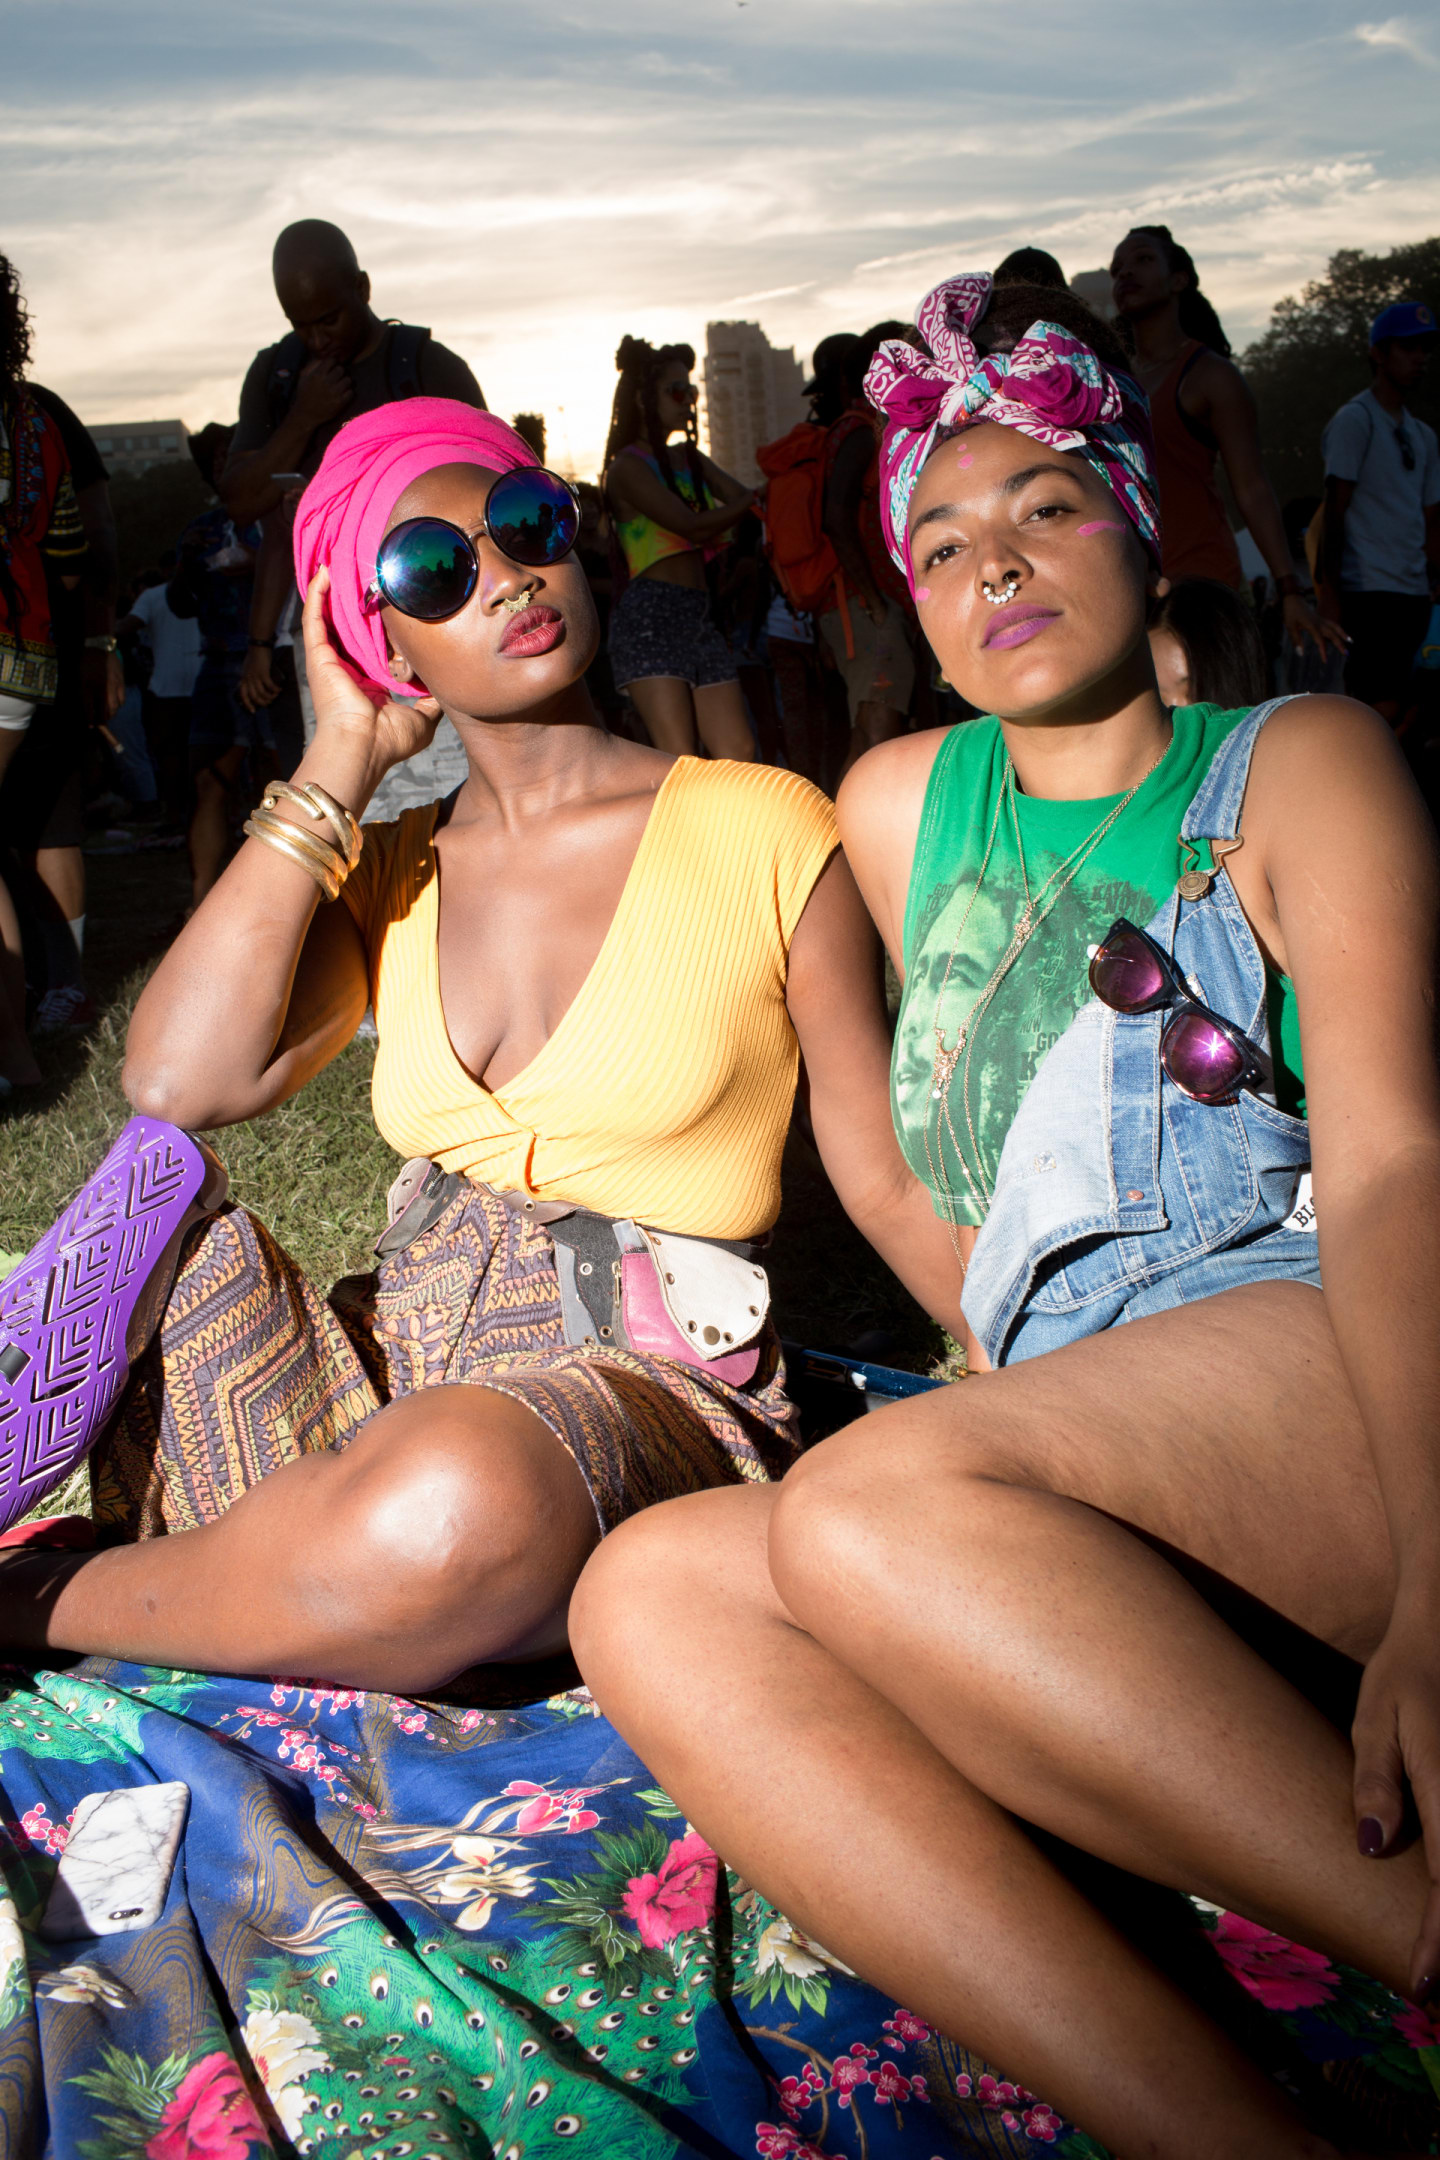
(1035, 911)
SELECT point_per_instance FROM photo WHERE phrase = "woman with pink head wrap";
(1142, 954)
(593, 969)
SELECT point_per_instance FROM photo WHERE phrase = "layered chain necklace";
(949, 1057)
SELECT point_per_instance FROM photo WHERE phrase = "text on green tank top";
(1129, 873)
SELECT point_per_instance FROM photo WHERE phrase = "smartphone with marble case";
(115, 1870)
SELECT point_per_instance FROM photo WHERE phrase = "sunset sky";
(537, 177)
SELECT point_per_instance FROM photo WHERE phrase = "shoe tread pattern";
(66, 1309)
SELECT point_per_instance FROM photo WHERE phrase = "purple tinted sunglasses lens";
(1126, 975)
(1201, 1058)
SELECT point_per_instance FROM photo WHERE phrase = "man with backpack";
(338, 361)
(1380, 539)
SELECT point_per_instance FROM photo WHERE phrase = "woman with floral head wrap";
(593, 969)
(1002, 1603)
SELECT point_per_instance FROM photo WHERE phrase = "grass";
(316, 1170)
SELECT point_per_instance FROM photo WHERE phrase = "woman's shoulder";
(393, 850)
(884, 793)
(763, 798)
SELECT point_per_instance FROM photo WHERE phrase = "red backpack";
(806, 566)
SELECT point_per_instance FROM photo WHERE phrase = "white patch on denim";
(1302, 1215)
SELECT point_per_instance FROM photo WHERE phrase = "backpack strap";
(286, 360)
(402, 361)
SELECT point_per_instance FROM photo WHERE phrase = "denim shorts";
(1279, 1255)
(662, 629)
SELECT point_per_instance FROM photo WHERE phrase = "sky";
(534, 178)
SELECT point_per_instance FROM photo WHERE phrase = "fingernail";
(1370, 1837)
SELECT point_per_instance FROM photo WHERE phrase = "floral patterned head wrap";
(1051, 387)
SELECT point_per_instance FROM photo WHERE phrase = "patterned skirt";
(252, 1367)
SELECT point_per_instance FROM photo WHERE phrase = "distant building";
(133, 446)
(1093, 287)
(752, 394)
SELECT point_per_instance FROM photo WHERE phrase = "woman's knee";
(847, 1508)
(463, 1507)
(668, 1572)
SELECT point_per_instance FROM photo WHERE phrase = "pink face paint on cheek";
(966, 457)
(1099, 525)
(922, 592)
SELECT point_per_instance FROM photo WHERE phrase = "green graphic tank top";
(1129, 873)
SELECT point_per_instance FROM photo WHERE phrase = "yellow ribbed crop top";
(665, 1091)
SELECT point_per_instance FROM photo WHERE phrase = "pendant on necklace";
(945, 1063)
(1195, 884)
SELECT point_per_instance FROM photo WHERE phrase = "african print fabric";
(251, 1367)
(39, 523)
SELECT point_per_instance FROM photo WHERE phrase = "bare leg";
(449, 1534)
(209, 827)
(804, 1775)
(61, 870)
(724, 723)
(666, 705)
(873, 723)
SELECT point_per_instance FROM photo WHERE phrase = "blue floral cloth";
(396, 1928)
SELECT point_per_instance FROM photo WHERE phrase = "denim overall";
(1116, 1195)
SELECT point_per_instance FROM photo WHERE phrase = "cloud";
(535, 184)
(1400, 34)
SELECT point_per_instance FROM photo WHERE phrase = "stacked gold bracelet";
(328, 861)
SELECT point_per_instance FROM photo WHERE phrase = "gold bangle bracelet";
(319, 850)
(345, 822)
(318, 803)
(290, 841)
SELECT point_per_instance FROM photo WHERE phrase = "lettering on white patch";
(1302, 1215)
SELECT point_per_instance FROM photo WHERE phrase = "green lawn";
(316, 1170)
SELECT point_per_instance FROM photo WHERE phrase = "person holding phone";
(338, 360)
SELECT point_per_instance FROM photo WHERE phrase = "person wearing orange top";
(594, 970)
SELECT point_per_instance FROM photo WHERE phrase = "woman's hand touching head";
(491, 661)
(1065, 569)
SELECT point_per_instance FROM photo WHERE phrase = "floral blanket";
(405, 1929)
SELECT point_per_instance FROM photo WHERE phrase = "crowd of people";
(738, 622)
(977, 677)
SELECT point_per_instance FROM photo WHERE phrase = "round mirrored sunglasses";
(427, 568)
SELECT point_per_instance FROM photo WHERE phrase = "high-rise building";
(133, 446)
(752, 394)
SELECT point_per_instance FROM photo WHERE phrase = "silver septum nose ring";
(1008, 590)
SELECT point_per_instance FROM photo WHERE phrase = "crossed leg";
(945, 1619)
(448, 1534)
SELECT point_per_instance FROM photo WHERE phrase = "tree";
(152, 509)
(1314, 355)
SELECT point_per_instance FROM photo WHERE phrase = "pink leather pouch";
(650, 1328)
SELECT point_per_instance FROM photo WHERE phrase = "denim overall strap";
(1214, 812)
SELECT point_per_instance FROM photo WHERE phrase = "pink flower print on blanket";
(211, 2116)
(678, 1896)
(543, 1808)
(1282, 1975)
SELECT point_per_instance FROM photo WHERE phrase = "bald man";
(339, 360)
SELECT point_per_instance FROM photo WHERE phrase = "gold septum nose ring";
(521, 600)
(1008, 590)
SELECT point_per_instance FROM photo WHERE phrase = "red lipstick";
(534, 630)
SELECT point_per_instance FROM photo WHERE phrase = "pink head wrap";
(342, 515)
(1051, 388)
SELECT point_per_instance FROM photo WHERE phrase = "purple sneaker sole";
(87, 1299)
